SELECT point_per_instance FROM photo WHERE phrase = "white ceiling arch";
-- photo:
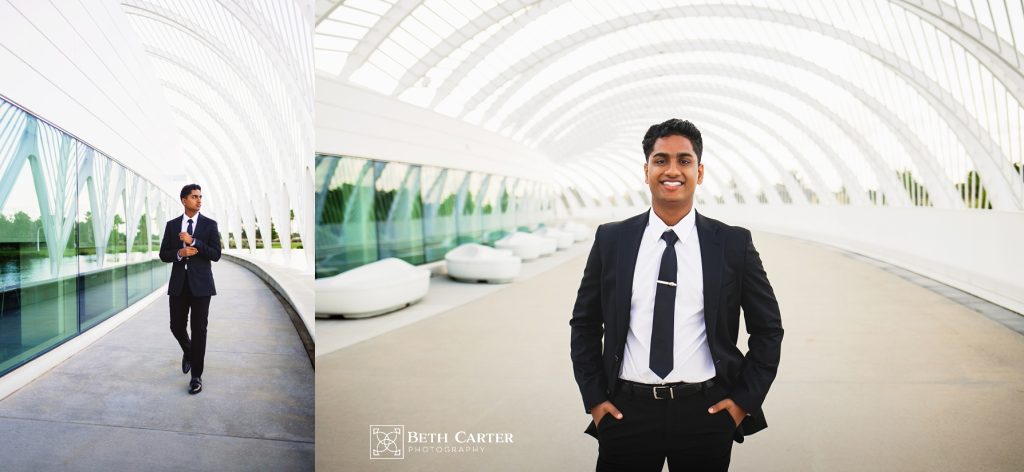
(926, 75)
(238, 78)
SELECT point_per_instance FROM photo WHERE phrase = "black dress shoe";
(195, 386)
(185, 364)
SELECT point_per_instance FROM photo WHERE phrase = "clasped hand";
(187, 251)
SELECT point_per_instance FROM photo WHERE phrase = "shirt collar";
(184, 217)
(682, 229)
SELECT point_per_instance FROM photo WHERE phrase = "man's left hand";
(730, 406)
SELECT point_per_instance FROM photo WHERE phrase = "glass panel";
(468, 216)
(64, 263)
(490, 208)
(440, 191)
(346, 234)
(155, 204)
(102, 239)
(37, 281)
(399, 212)
(140, 278)
(525, 215)
(511, 214)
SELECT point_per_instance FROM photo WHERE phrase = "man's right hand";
(187, 252)
(604, 408)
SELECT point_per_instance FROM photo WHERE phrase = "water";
(38, 269)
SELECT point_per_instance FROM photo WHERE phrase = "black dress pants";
(181, 305)
(680, 430)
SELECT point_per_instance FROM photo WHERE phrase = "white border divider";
(25, 374)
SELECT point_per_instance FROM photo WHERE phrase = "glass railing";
(79, 236)
(368, 210)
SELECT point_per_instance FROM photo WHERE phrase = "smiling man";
(190, 243)
(656, 319)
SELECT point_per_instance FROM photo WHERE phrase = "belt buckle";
(671, 393)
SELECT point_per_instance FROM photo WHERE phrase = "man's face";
(193, 201)
(672, 171)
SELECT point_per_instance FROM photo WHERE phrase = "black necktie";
(189, 230)
(663, 327)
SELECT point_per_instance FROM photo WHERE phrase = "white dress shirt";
(691, 361)
(184, 228)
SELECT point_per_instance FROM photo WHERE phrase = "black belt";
(665, 391)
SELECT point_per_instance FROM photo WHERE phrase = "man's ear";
(645, 173)
(700, 173)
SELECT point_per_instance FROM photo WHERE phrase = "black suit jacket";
(200, 277)
(733, 278)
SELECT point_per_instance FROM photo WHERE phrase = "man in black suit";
(191, 242)
(656, 320)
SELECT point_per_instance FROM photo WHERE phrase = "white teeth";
(673, 184)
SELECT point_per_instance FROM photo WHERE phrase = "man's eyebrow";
(665, 154)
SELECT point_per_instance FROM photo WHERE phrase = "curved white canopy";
(798, 100)
(238, 77)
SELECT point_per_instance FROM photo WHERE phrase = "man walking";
(190, 243)
(656, 320)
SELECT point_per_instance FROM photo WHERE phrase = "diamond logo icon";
(387, 441)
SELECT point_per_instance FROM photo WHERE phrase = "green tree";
(141, 235)
(116, 236)
(842, 196)
(25, 227)
(382, 203)
(973, 192)
(876, 197)
(916, 190)
(447, 207)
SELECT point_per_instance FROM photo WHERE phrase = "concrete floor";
(122, 403)
(878, 373)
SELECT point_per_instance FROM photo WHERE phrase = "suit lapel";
(712, 258)
(631, 236)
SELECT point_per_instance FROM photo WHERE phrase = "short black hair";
(673, 127)
(187, 190)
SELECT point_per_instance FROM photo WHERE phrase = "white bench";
(580, 231)
(373, 289)
(525, 245)
(479, 263)
(563, 240)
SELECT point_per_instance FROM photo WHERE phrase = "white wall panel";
(355, 122)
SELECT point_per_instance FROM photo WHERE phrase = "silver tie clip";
(670, 284)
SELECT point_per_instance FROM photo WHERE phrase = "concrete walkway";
(878, 373)
(122, 403)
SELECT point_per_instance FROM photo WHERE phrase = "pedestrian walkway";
(877, 373)
(122, 403)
